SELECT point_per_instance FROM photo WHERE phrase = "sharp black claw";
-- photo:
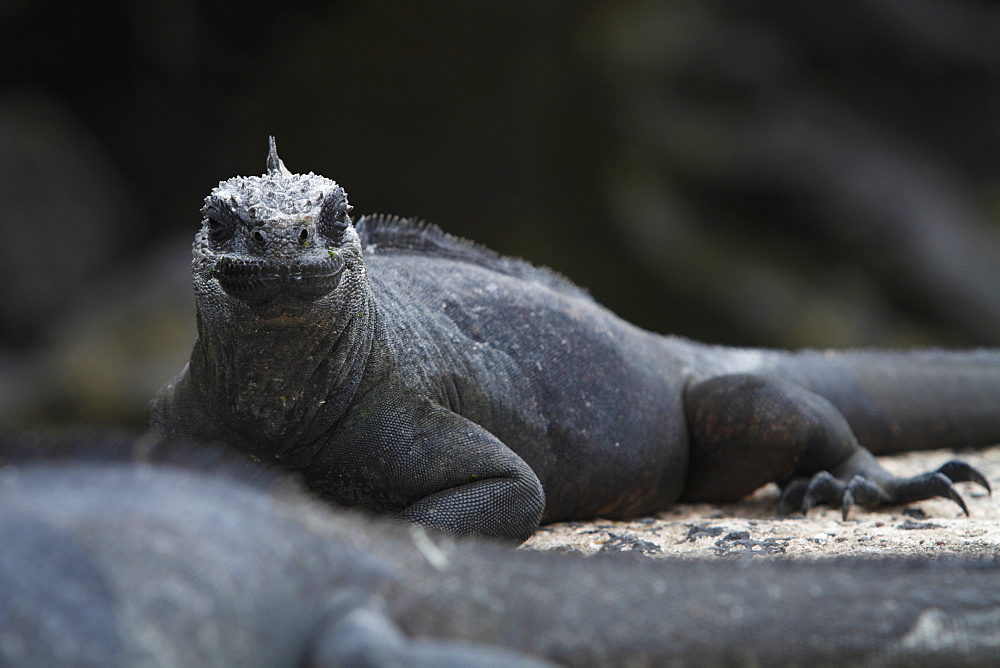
(863, 492)
(845, 506)
(791, 496)
(938, 484)
(808, 503)
(823, 488)
(957, 498)
(959, 471)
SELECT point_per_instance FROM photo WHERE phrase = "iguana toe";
(823, 489)
(959, 471)
(792, 495)
(926, 486)
(862, 492)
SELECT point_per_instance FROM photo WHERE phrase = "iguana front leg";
(747, 430)
(473, 484)
(442, 471)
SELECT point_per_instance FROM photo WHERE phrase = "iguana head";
(277, 242)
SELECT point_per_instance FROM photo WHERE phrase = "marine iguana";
(404, 370)
(157, 556)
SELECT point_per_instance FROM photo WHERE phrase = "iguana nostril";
(304, 237)
(259, 237)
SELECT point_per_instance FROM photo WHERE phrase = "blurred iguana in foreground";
(119, 556)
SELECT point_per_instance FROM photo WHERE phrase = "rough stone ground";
(750, 528)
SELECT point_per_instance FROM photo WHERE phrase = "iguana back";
(395, 235)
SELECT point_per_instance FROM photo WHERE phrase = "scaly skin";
(407, 371)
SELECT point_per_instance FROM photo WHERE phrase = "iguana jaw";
(259, 280)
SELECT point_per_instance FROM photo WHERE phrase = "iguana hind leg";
(747, 430)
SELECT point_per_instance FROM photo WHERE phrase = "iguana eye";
(221, 220)
(219, 228)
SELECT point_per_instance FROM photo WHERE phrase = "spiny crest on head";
(275, 166)
(280, 194)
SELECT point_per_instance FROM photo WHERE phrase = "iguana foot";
(824, 488)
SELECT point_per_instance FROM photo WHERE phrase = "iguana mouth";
(256, 280)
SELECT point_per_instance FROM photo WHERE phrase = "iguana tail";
(899, 401)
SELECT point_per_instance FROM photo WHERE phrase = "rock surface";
(751, 528)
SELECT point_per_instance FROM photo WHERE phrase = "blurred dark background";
(778, 173)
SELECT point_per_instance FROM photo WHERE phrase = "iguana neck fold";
(282, 386)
